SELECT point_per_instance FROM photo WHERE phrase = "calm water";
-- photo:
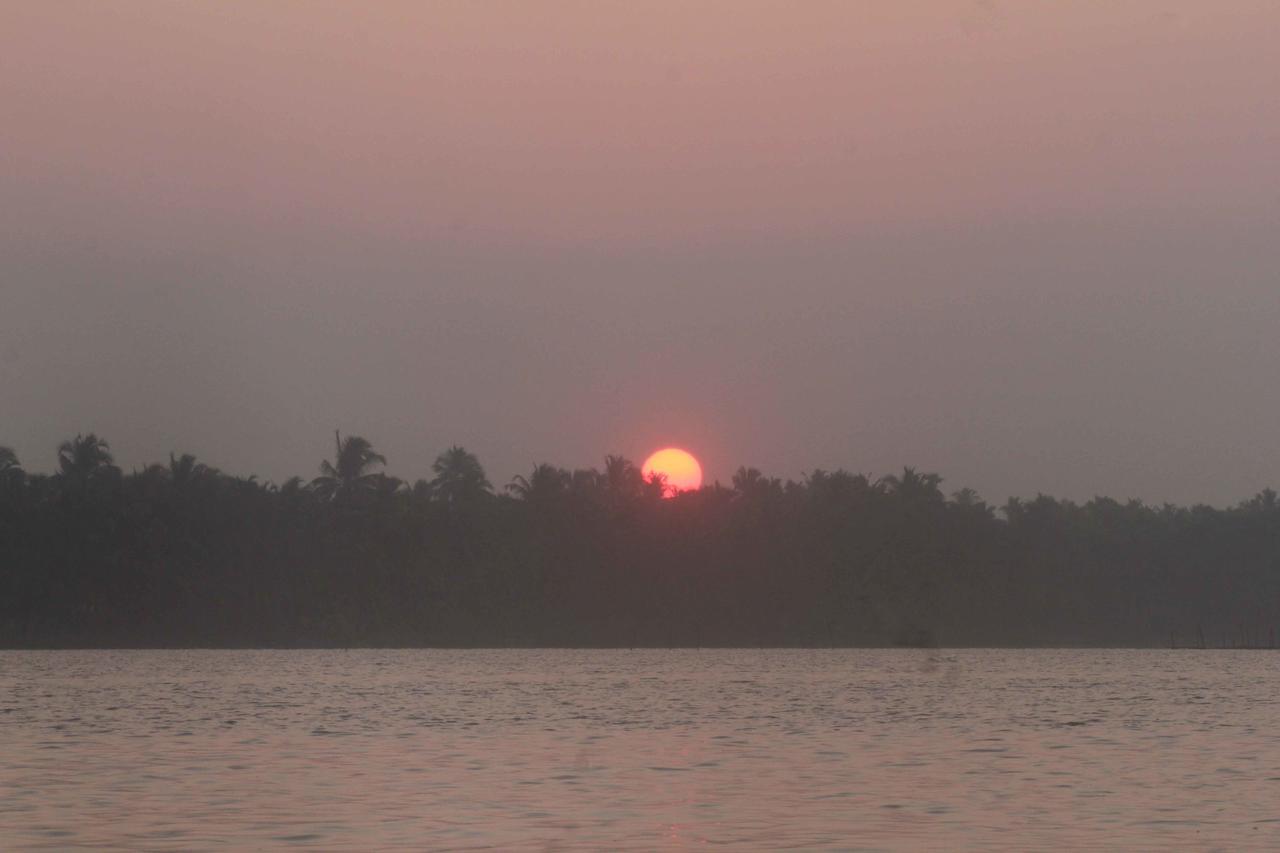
(640, 749)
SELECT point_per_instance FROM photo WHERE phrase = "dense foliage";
(181, 554)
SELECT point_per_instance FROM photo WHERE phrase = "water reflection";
(639, 748)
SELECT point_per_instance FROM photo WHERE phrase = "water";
(557, 749)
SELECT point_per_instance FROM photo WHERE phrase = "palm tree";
(11, 472)
(348, 475)
(292, 487)
(185, 470)
(749, 483)
(385, 486)
(746, 480)
(154, 476)
(584, 481)
(544, 483)
(8, 459)
(622, 480)
(86, 458)
(913, 487)
(838, 485)
(420, 492)
(619, 473)
(459, 477)
(1265, 501)
(655, 486)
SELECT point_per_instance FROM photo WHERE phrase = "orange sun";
(679, 467)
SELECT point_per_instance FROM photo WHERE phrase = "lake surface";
(554, 749)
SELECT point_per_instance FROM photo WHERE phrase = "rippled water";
(640, 749)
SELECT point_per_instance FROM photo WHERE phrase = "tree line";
(181, 554)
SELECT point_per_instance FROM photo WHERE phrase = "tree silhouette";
(292, 487)
(181, 554)
(1264, 501)
(836, 487)
(622, 482)
(184, 471)
(544, 483)
(11, 472)
(348, 477)
(86, 459)
(751, 485)
(655, 486)
(913, 487)
(459, 477)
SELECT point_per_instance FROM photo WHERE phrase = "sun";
(681, 469)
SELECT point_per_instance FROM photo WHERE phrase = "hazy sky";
(1030, 246)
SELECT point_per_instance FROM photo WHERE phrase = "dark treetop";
(183, 555)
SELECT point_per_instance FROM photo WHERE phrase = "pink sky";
(633, 122)
(1028, 245)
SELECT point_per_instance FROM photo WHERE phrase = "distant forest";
(180, 554)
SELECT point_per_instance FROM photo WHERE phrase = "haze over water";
(1028, 246)
(890, 749)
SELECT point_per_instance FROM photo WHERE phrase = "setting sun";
(679, 467)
